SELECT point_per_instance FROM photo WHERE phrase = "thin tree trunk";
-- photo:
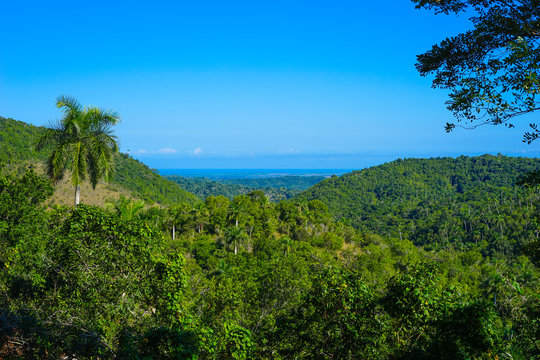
(77, 194)
(173, 232)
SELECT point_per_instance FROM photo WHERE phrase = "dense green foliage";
(429, 259)
(17, 140)
(82, 282)
(493, 69)
(286, 182)
(469, 202)
(275, 188)
(247, 278)
(204, 187)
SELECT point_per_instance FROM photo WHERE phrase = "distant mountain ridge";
(131, 177)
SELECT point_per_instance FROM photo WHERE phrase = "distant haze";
(219, 174)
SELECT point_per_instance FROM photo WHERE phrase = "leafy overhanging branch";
(492, 70)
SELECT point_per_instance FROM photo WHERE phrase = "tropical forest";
(416, 257)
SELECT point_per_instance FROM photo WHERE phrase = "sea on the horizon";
(250, 173)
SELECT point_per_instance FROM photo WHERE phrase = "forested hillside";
(17, 141)
(297, 183)
(103, 258)
(146, 184)
(415, 259)
(467, 201)
(138, 180)
(133, 178)
(275, 188)
(247, 279)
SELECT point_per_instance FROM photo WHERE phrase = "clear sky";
(243, 84)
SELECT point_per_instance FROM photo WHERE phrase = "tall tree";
(82, 142)
(238, 209)
(235, 237)
(492, 70)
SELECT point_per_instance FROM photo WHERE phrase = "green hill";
(252, 279)
(275, 188)
(204, 187)
(16, 138)
(294, 183)
(440, 201)
(131, 178)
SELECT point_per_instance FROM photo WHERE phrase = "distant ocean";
(221, 174)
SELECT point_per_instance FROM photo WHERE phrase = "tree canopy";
(491, 70)
(82, 141)
(251, 279)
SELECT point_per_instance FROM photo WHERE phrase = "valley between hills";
(412, 259)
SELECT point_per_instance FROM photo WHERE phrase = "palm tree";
(235, 237)
(179, 217)
(82, 142)
(200, 216)
(128, 209)
(156, 215)
(238, 208)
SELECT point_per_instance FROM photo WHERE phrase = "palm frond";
(101, 150)
(100, 117)
(68, 104)
(51, 135)
(78, 163)
(98, 167)
(103, 138)
(56, 163)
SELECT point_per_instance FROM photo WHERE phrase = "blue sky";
(243, 84)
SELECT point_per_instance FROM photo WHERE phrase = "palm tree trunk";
(173, 231)
(77, 194)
